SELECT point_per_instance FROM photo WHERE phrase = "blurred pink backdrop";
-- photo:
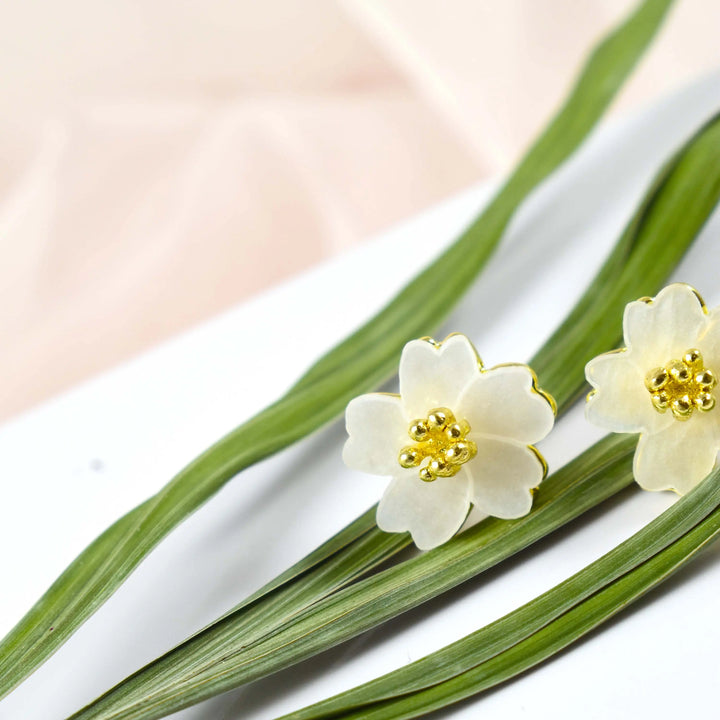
(162, 161)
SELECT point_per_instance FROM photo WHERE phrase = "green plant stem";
(361, 362)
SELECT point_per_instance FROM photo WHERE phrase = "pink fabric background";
(161, 161)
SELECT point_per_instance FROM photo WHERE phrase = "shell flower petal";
(620, 401)
(673, 320)
(435, 375)
(377, 429)
(677, 458)
(431, 512)
(505, 402)
(710, 341)
(504, 478)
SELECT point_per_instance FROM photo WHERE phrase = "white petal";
(432, 376)
(709, 344)
(502, 402)
(432, 512)
(377, 426)
(504, 474)
(663, 329)
(621, 402)
(679, 457)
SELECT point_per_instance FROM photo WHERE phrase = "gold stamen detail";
(442, 441)
(682, 386)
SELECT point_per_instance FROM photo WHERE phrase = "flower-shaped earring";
(662, 385)
(456, 435)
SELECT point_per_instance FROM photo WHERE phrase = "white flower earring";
(662, 385)
(456, 435)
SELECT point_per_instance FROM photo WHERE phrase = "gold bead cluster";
(682, 386)
(441, 439)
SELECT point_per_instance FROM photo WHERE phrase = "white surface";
(73, 466)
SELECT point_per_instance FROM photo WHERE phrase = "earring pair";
(459, 435)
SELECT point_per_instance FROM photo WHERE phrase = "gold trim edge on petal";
(651, 300)
(535, 384)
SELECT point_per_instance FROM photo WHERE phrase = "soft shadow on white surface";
(145, 420)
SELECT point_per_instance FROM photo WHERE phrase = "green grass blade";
(358, 364)
(542, 627)
(224, 656)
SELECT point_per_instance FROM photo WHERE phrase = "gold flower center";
(441, 441)
(682, 386)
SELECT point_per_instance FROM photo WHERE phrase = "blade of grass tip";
(542, 627)
(688, 187)
(365, 359)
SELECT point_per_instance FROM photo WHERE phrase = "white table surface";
(74, 465)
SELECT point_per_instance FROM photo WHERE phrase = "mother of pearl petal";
(504, 475)
(620, 402)
(431, 512)
(678, 457)
(709, 343)
(663, 329)
(377, 429)
(435, 376)
(502, 402)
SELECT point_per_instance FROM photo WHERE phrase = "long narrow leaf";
(224, 656)
(543, 626)
(362, 361)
